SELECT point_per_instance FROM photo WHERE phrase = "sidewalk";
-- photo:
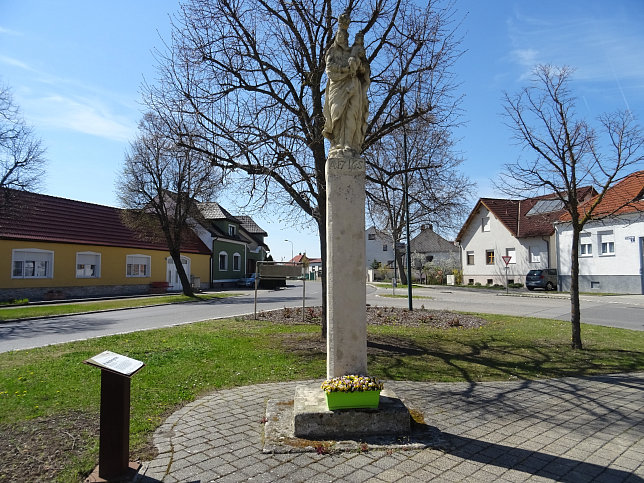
(570, 429)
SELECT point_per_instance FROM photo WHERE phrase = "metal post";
(292, 256)
(393, 281)
(256, 284)
(114, 437)
(303, 296)
(406, 196)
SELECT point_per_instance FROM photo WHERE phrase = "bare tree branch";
(568, 155)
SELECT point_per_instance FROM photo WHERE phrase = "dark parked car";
(248, 282)
(545, 278)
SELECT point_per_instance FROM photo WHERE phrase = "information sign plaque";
(111, 361)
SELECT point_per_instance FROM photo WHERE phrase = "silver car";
(544, 278)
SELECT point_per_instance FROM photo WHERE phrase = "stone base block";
(313, 420)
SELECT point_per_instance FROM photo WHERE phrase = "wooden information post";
(114, 439)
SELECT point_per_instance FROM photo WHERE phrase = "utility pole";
(406, 201)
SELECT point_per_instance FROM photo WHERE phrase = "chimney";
(427, 227)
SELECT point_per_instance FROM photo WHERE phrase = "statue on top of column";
(346, 107)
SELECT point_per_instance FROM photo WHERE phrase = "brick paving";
(570, 430)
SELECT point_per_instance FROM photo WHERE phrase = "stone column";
(345, 277)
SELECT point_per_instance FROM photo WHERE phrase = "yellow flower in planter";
(352, 383)
(352, 392)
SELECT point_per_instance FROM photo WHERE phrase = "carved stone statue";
(346, 107)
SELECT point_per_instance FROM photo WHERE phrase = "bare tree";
(438, 192)
(568, 154)
(252, 74)
(160, 184)
(21, 153)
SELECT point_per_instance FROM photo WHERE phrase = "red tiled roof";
(627, 196)
(36, 217)
(516, 215)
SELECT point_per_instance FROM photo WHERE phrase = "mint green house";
(237, 244)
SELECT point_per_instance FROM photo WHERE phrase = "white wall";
(617, 272)
(373, 248)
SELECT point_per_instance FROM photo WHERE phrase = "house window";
(535, 255)
(223, 261)
(371, 236)
(32, 263)
(489, 257)
(470, 258)
(384, 247)
(606, 243)
(232, 230)
(88, 265)
(512, 253)
(137, 266)
(236, 262)
(585, 246)
(485, 223)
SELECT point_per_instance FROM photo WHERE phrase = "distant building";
(237, 244)
(312, 266)
(428, 247)
(378, 247)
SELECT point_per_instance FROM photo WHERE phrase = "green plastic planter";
(353, 400)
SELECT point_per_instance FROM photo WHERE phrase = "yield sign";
(506, 259)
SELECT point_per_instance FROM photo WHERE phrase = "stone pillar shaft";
(345, 277)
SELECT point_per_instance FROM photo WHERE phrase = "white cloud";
(601, 48)
(66, 103)
(5, 31)
(15, 63)
(83, 115)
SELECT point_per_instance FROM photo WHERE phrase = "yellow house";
(58, 248)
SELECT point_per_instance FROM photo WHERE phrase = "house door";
(172, 276)
(642, 262)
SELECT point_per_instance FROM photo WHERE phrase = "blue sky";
(76, 67)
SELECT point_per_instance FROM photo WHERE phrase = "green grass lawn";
(48, 310)
(184, 362)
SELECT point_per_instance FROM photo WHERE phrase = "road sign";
(506, 259)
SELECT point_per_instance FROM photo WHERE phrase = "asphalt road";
(616, 311)
(623, 311)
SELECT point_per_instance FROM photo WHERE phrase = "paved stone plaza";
(571, 430)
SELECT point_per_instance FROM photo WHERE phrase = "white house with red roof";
(611, 247)
(521, 230)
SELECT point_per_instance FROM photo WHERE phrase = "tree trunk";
(575, 313)
(401, 267)
(185, 282)
(325, 271)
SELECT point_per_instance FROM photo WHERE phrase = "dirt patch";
(376, 345)
(39, 449)
(441, 319)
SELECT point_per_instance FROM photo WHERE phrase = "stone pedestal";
(313, 420)
(346, 266)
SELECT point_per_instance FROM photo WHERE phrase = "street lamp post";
(406, 202)
(291, 248)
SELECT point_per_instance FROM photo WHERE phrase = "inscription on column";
(346, 164)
